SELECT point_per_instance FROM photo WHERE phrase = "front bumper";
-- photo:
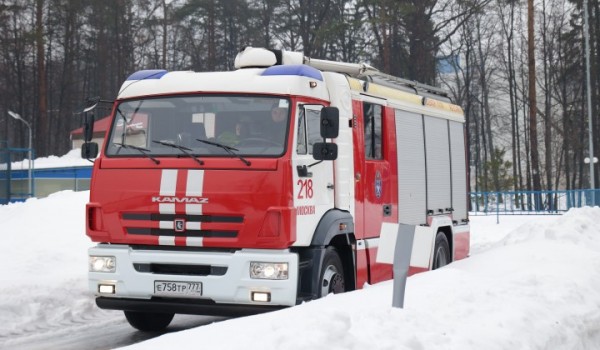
(229, 290)
(184, 306)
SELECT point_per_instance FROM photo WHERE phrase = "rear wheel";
(148, 321)
(442, 251)
(332, 274)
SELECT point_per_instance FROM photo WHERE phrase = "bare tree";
(533, 137)
(43, 129)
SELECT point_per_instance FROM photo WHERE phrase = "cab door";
(374, 182)
(312, 180)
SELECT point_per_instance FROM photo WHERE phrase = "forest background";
(521, 135)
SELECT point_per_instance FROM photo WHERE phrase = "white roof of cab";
(290, 80)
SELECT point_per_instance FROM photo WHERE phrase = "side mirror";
(91, 103)
(330, 122)
(88, 118)
(89, 150)
(88, 127)
(325, 151)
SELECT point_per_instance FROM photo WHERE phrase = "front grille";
(186, 217)
(187, 233)
(183, 249)
(156, 224)
(178, 269)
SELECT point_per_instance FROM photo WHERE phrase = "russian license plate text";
(172, 288)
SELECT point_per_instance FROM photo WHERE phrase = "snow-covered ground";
(70, 159)
(532, 282)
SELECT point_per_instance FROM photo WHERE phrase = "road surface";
(97, 330)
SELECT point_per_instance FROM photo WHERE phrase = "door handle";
(303, 171)
(387, 210)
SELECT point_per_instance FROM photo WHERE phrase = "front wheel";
(332, 274)
(148, 321)
(442, 251)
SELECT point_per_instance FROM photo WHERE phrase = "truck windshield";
(245, 125)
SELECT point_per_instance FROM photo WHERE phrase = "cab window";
(373, 129)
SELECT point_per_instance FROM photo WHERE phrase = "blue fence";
(480, 203)
(531, 202)
(11, 184)
(46, 181)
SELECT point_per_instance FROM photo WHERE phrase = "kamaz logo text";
(193, 200)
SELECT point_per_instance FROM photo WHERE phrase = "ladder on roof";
(369, 73)
(260, 57)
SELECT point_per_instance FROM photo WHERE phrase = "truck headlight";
(268, 271)
(102, 264)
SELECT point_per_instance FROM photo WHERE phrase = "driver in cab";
(232, 138)
(276, 128)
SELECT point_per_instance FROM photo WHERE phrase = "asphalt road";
(100, 331)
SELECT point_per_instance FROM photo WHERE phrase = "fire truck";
(241, 192)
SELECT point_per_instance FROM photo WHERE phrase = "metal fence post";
(534, 202)
(497, 208)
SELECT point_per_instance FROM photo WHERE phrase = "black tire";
(332, 274)
(441, 253)
(148, 321)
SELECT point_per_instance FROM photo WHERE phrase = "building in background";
(100, 128)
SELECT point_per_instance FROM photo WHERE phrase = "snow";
(70, 159)
(532, 282)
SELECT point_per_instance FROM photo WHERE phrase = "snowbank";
(70, 159)
(531, 283)
(537, 288)
(43, 264)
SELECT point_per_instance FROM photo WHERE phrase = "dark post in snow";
(402, 252)
(396, 247)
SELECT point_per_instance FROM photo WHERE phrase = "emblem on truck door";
(179, 225)
(378, 185)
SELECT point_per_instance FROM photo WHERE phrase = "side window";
(309, 130)
(373, 130)
(313, 124)
(301, 143)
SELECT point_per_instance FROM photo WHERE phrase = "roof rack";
(252, 57)
(369, 73)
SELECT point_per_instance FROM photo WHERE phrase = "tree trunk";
(511, 88)
(43, 130)
(547, 50)
(164, 41)
(535, 158)
(212, 44)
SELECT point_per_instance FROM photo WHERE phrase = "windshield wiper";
(124, 125)
(139, 149)
(185, 150)
(228, 149)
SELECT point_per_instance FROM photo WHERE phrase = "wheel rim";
(333, 281)
(441, 258)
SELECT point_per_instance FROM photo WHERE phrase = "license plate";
(178, 289)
